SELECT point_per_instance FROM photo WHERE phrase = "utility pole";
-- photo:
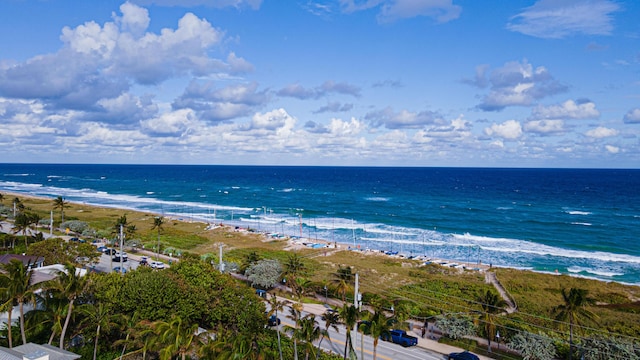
(121, 252)
(221, 263)
(356, 304)
(51, 224)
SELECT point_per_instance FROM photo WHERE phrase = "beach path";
(490, 278)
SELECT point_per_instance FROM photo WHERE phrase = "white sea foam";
(377, 198)
(599, 272)
(578, 212)
(17, 174)
(581, 223)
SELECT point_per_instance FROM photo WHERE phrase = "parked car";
(117, 257)
(109, 251)
(273, 321)
(143, 261)
(119, 269)
(157, 265)
(463, 356)
(102, 248)
(401, 337)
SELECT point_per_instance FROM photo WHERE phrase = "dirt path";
(490, 277)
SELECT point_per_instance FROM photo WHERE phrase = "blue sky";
(548, 83)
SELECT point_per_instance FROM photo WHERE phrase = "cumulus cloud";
(601, 132)
(328, 87)
(515, 84)
(218, 104)
(632, 116)
(169, 124)
(510, 129)
(545, 127)
(583, 109)
(334, 106)
(275, 120)
(403, 119)
(559, 19)
(392, 10)
(612, 149)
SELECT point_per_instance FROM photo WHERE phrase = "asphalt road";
(385, 350)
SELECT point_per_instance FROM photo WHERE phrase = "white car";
(116, 256)
(157, 265)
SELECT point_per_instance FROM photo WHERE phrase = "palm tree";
(60, 203)
(51, 313)
(378, 325)
(158, 222)
(99, 316)
(342, 280)
(277, 305)
(21, 224)
(19, 289)
(331, 319)
(7, 304)
(295, 312)
(573, 310)
(349, 315)
(129, 324)
(176, 336)
(492, 305)
(71, 285)
(309, 331)
(251, 258)
(293, 268)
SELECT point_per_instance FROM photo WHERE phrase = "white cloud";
(559, 19)
(393, 10)
(170, 124)
(516, 84)
(601, 132)
(612, 149)
(403, 119)
(567, 110)
(509, 129)
(274, 120)
(632, 116)
(545, 127)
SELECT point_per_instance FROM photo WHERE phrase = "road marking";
(378, 356)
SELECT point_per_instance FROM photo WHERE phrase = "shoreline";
(296, 242)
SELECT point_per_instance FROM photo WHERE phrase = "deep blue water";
(579, 221)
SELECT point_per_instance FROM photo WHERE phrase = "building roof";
(21, 351)
(26, 259)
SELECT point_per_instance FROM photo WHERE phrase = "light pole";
(325, 294)
(498, 338)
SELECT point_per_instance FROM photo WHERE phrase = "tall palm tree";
(50, 312)
(60, 203)
(176, 337)
(277, 305)
(378, 325)
(21, 224)
(574, 310)
(342, 280)
(492, 305)
(308, 331)
(158, 222)
(71, 285)
(20, 289)
(293, 268)
(295, 313)
(331, 320)
(99, 316)
(128, 323)
(7, 304)
(349, 315)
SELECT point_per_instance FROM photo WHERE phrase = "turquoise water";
(577, 221)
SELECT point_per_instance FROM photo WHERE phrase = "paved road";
(385, 350)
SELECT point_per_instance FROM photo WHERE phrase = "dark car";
(463, 356)
(273, 321)
(143, 261)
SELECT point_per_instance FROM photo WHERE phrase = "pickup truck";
(400, 337)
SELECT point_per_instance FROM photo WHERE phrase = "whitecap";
(377, 198)
(578, 212)
(581, 223)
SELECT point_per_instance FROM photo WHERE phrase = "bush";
(76, 226)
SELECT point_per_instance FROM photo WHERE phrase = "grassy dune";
(432, 289)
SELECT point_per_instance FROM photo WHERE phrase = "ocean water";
(583, 222)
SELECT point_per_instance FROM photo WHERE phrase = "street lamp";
(498, 338)
(325, 294)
